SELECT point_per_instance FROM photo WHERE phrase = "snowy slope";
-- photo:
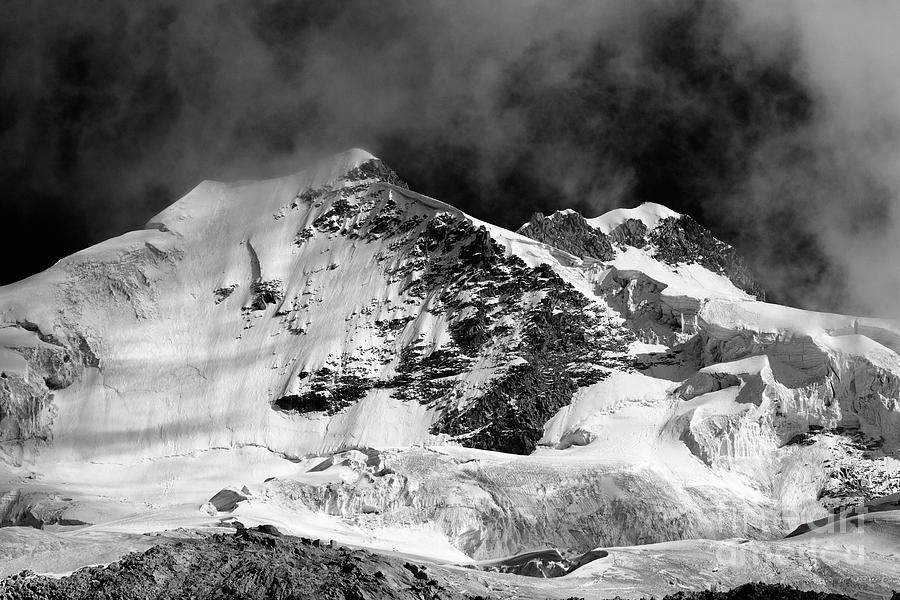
(180, 372)
(584, 382)
(648, 213)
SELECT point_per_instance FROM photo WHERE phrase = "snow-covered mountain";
(378, 367)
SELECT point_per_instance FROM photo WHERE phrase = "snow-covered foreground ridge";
(582, 383)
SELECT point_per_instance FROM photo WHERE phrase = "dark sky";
(776, 126)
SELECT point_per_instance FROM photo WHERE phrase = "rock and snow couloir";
(379, 367)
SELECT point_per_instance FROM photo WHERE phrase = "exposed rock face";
(250, 564)
(672, 240)
(540, 350)
(563, 345)
(631, 232)
(227, 500)
(683, 240)
(758, 591)
(569, 231)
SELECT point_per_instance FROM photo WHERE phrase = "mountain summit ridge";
(671, 237)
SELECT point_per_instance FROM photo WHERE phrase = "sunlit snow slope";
(378, 367)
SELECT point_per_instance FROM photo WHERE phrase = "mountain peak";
(212, 199)
(649, 231)
(648, 213)
(346, 161)
(329, 169)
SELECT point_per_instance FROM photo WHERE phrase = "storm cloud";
(774, 124)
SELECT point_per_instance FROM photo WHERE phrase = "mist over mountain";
(428, 299)
(774, 125)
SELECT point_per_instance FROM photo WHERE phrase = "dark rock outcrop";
(252, 564)
(376, 169)
(758, 591)
(683, 240)
(265, 293)
(328, 392)
(630, 233)
(562, 348)
(226, 500)
(541, 351)
(569, 231)
(673, 240)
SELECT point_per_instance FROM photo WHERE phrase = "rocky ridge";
(261, 563)
(540, 337)
(673, 240)
(258, 563)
